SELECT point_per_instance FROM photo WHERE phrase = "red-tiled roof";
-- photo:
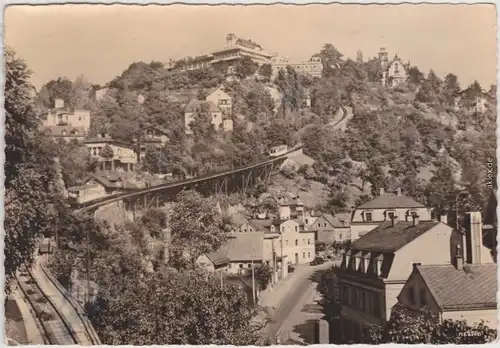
(387, 201)
(388, 238)
(473, 287)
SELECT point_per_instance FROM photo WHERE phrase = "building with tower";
(394, 72)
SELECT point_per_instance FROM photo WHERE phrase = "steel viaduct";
(231, 181)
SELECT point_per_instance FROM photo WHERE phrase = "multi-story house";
(61, 116)
(197, 107)
(377, 265)
(287, 202)
(465, 289)
(393, 72)
(219, 97)
(371, 214)
(313, 67)
(295, 241)
(330, 228)
(122, 157)
(217, 103)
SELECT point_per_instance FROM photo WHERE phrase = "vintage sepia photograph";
(250, 175)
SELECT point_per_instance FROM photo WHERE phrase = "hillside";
(425, 136)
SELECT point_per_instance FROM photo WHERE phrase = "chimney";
(398, 191)
(444, 219)
(476, 252)
(415, 219)
(459, 259)
(394, 220)
(381, 191)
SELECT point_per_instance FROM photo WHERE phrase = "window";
(296, 230)
(286, 242)
(308, 255)
(241, 265)
(324, 225)
(249, 265)
(282, 229)
(391, 215)
(368, 217)
(296, 242)
(303, 256)
(340, 236)
(309, 241)
(319, 225)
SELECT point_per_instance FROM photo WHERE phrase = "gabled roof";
(473, 287)
(196, 106)
(337, 220)
(388, 238)
(218, 257)
(244, 246)
(388, 201)
(64, 131)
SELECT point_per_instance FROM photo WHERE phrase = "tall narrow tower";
(384, 64)
(384, 59)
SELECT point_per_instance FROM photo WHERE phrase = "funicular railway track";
(50, 321)
(58, 324)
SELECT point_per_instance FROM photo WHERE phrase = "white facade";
(88, 192)
(60, 117)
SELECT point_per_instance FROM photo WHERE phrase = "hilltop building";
(313, 67)
(394, 72)
(235, 49)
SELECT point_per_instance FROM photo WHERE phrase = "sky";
(100, 41)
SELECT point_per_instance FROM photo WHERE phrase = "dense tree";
(263, 274)
(331, 59)
(424, 327)
(328, 287)
(266, 70)
(246, 67)
(196, 226)
(451, 88)
(76, 164)
(28, 167)
(415, 76)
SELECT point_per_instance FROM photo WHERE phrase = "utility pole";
(88, 265)
(221, 280)
(282, 259)
(253, 279)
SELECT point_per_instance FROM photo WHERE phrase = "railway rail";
(53, 319)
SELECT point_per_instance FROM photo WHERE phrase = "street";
(288, 311)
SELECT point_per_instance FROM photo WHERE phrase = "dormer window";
(368, 216)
